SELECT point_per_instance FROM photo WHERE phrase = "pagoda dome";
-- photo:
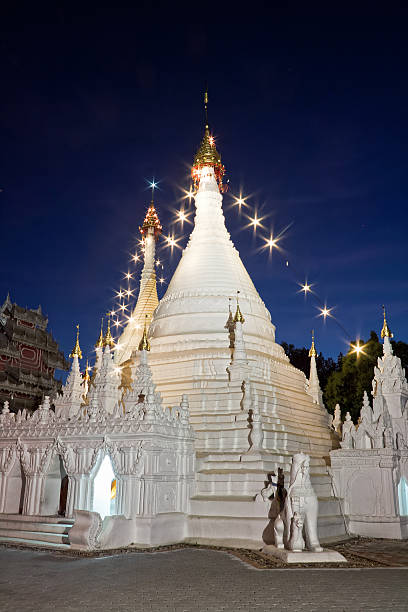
(194, 310)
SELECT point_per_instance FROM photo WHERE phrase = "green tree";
(346, 386)
(299, 357)
(345, 380)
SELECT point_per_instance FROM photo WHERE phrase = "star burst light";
(358, 348)
(255, 222)
(135, 257)
(181, 216)
(153, 184)
(325, 312)
(171, 242)
(270, 243)
(161, 280)
(128, 276)
(240, 201)
(305, 287)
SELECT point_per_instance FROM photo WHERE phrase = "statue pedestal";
(306, 556)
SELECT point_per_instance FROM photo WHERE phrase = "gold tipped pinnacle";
(77, 349)
(86, 373)
(144, 344)
(312, 352)
(108, 340)
(99, 342)
(385, 330)
(238, 314)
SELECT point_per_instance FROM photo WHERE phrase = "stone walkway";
(187, 580)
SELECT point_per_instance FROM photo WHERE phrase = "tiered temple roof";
(29, 356)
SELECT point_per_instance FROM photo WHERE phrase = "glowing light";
(161, 280)
(117, 323)
(112, 313)
(255, 221)
(271, 242)
(120, 295)
(306, 288)
(128, 293)
(181, 216)
(135, 257)
(123, 307)
(240, 202)
(128, 276)
(325, 312)
(211, 140)
(153, 184)
(158, 262)
(172, 242)
(358, 348)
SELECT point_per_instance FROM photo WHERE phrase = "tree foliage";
(345, 380)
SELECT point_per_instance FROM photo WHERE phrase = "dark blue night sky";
(309, 115)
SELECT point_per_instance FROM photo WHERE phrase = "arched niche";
(16, 482)
(54, 484)
(403, 497)
(104, 488)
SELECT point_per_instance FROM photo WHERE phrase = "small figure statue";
(336, 423)
(348, 432)
(296, 542)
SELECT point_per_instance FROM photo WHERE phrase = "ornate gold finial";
(108, 340)
(86, 376)
(312, 352)
(151, 220)
(385, 330)
(207, 154)
(99, 342)
(238, 314)
(144, 344)
(77, 349)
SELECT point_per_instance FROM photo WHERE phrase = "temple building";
(191, 419)
(29, 356)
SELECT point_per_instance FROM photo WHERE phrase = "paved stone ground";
(187, 580)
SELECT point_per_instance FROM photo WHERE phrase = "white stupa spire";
(67, 405)
(239, 368)
(193, 309)
(313, 385)
(147, 299)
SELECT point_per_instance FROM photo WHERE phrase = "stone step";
(50, 531)
(39, 536)
(33, 543)
(36, 519)
(59, 528)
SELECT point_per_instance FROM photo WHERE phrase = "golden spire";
(151, 219)
(108, 340)
(77, 349)
(144, 344)
(385, 330)
(86, 376)
(207, 154)
(312, 352)
(99, 342)
(238, 314)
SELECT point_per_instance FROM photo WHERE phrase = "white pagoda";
(249, 407)
(183, 422)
